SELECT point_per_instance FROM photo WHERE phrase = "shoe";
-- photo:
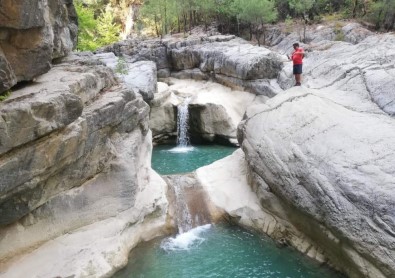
(298, 84)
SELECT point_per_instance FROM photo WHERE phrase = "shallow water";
(169, 159)
(219, 251)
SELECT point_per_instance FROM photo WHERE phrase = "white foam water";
(181, 149)
(186, 240)
(182, 123)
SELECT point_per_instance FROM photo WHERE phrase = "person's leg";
(298, 74)
(298, 78)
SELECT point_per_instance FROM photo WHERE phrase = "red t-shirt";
(297, 56)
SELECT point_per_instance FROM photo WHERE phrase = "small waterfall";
(189, 205)
(184, 217)
(182, 124)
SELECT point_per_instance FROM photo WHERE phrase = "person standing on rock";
(297, 59)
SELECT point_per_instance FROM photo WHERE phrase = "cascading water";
(184, 218)
(190, 208)
(182, 124)
(182, 127)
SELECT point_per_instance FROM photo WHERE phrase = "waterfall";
(183, 216)
(188, 202)
(182, 128)
(182, 124)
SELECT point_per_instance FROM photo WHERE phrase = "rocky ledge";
(32, 34)
(224, 59)
(75, 167)
(332, 167)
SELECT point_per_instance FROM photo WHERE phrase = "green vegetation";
(5, 95)
(122, 66)
(97, 26)
(382, 14)
(101, 20)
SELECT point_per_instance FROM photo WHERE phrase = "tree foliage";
(383, 14)
(97, 26)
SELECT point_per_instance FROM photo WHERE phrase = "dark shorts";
(297, 69)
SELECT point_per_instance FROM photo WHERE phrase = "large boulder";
(32, 34)
(77, 173)
(140, 76)
(281, 36)
(163, 114)
(252, 205)
(328, 155)
(365, 69)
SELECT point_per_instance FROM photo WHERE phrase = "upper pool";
(169, 159)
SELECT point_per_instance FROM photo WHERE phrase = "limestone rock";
(55, 100)
(7, 76)
(281, 36)
(332, 160)
(239, 62)
(148, 50)
(214, 110)
(355, 33)
(32, 34)
(80, 178)
(22, 14)
(341, 66)
(139, 76)
(98, 249)
(221, 58)
(163, 115)
(231, 192)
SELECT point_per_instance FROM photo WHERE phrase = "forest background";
(102, 22)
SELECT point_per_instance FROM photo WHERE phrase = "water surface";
(219, 251)
(169, 159)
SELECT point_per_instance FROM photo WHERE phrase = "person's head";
(295, 45)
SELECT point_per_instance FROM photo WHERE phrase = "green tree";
(206, 9)
(96, 27)
(302, 9)
(87, 39)
(256, 13)
(108, 31)
(383, 14)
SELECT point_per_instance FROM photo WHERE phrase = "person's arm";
(301, 52)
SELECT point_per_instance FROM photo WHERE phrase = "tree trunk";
(258, 36)
(304, 30)
(156, 26)
(238, 26)
(264, 35)
(354, 11)
(190, 22)
(185, 23)
(165, 21)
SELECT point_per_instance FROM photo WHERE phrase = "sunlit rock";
(75, 167)
(328, 156)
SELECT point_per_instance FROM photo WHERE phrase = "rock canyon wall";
(32, 34)
(77, 192)
(316, 169)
